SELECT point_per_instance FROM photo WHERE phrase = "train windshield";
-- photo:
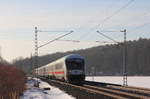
(75, 64)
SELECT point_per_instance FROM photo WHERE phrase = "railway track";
(124, 94)
(128, 89)
(131, 90)
(94, 90)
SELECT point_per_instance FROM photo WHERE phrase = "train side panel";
(55, 70)
(59, 70)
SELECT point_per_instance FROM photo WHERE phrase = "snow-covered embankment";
(39, 93)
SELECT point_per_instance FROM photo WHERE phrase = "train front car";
(75, 69)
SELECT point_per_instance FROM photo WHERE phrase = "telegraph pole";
(36, 55)
(124, 64)
(124, 59)
(93, 72)
(36, 64)
(36, 49)
(31, 63)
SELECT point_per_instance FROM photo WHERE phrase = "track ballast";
(96, 90)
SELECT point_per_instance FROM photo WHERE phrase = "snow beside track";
(137, 81)
(39, 93)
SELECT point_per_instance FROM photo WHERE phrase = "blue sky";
(19, 17)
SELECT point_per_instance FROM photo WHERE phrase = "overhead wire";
(55, 39)
(116, 12)
(107, 8)
(107, 37)
(109, 17)
(132, 31)
(140, 26)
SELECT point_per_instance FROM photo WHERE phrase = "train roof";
(73, 56)
(70, 56)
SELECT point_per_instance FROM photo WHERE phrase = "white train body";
(69, 68)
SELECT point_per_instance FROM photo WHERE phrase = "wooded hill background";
(103, 60)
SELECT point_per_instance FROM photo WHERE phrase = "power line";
(108, 31)
(104, 42)
(52, 31)
(109, 17)
(116, 12)
(70, 40)
(140, 26)
(107, 37)
(55, 39)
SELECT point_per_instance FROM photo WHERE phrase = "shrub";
(12, 82)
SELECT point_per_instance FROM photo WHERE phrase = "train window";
(75, 64)
(50, 68)
(58, 66)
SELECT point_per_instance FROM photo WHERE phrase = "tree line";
(103, 60)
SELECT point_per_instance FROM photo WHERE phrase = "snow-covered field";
(132, 80)
(39, 93)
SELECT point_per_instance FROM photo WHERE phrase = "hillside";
(104, 60)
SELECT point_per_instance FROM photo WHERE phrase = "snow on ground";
(39, 93)
(132, 80)
(54, 93)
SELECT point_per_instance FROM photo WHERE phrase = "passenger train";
(69, 68)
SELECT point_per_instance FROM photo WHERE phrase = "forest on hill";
(104, 60)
